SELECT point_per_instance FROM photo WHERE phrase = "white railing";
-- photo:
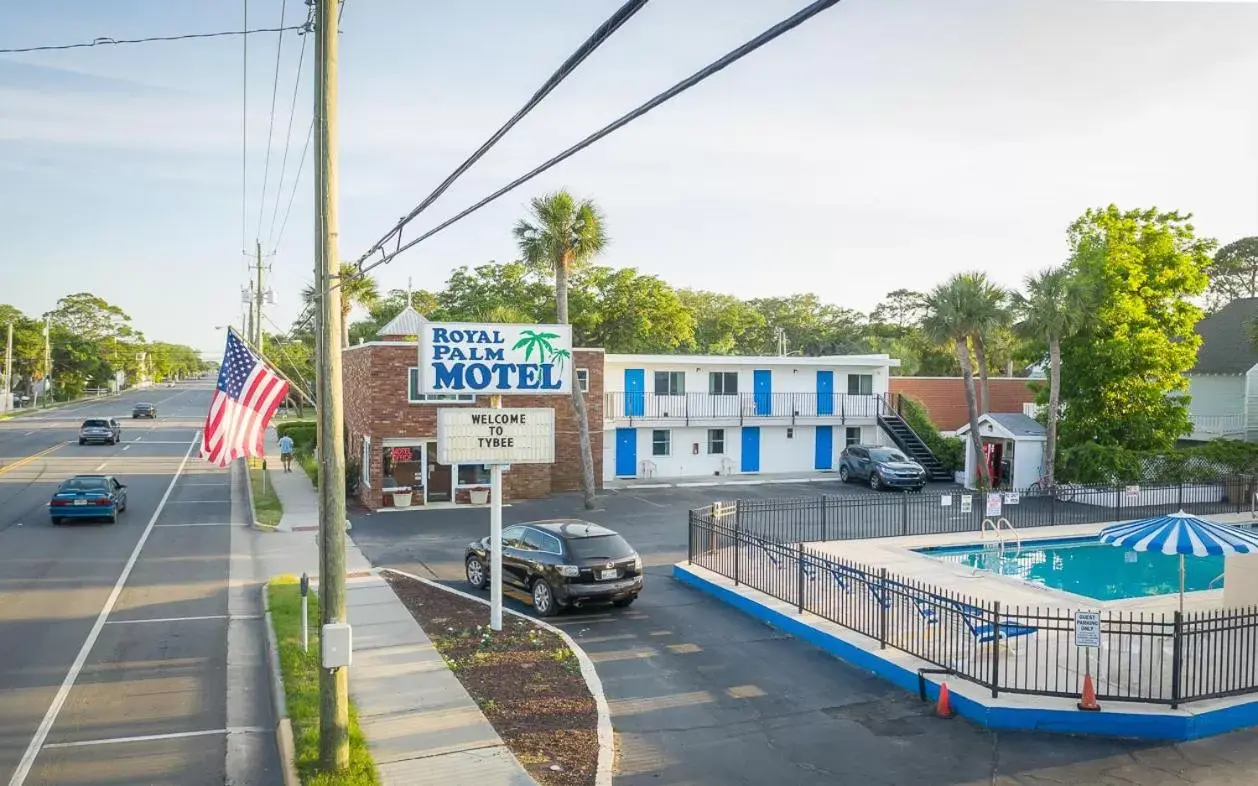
(1032, 410)
(1214, 426)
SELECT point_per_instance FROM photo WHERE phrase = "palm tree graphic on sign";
(546, 353)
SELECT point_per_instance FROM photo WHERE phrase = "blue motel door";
(825, 392)
(762, 384)
(824, 458)
(626, 452)
(635, 392)
(751, 449)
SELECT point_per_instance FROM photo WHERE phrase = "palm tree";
(356, 290)
(1053, 308)
(953, 315)
(991, 314)
(560, 236)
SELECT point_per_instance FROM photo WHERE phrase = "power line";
(729, 58)
(288, 139)
(244, 132)
(593, 42)
(270, 123)
(107, 41)
(301, 165)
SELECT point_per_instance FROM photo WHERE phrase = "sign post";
(1088, 638)
(495, 360)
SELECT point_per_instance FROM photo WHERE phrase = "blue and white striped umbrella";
(1181, 533)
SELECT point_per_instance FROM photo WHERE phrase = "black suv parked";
(561, 563)
(882, 467)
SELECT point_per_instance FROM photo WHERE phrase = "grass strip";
(267, 509)
(301, 690)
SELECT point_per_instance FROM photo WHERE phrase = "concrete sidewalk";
(421, 725)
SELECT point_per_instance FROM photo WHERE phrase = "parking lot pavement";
(701, 694)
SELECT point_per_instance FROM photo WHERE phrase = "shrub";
(949, 450)
(1092, 463)
(302, 433)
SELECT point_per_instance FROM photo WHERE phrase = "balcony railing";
(1217, 426)
(739, 407)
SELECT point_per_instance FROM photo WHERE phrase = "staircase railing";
(887, 411)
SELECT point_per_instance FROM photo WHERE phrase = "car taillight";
(57, 503)
(102, 501)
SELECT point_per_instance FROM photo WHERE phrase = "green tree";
(560, 236)
(990, 321)
(1233, 273)
(1054, 307)
(514, 288)
(28, 346)
(954, 313)
(1123, 375)
(625, 311)
(901, 309)
(356, 290)
(811, 327)
(724, 324)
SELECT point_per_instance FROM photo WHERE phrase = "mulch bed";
(525, 679)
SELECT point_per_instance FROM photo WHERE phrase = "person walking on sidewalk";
(286, 452)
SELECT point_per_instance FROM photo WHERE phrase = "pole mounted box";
(337, 645)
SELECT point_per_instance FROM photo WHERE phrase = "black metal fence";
(1144, 657)
(849, 517)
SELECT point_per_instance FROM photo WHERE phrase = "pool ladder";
(998, 528)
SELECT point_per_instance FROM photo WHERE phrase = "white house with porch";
(674, 416)
(1224, 382)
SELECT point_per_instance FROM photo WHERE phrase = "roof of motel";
(408, 322)
(1225, 344)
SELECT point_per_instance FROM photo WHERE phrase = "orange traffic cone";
(1088, 700)
(943, 707)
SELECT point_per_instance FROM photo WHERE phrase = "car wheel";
(82, 442)
(875, 482)
(56, 521)
(543, 598)
(476, 573)
(113, 517)
(624, 603)
(844, 474)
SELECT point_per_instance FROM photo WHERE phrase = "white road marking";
(126, 447)
(27, 434)
(207, 524)
(186, 619)
(102, 466)
(59, 700)
(178, 735)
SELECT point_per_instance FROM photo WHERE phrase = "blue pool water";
(1085, 566)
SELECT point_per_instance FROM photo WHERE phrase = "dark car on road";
(881, 467)
(144, 411)
(561, 563)
(88, 497)
(104, 430)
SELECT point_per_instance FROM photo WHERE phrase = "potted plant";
(479, 495)
(402, 498)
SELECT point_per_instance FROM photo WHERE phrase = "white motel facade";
(682, 416)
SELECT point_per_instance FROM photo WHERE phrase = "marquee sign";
(495, 360)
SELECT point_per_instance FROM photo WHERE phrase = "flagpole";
(291, 384)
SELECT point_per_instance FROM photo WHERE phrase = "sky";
(883, 144)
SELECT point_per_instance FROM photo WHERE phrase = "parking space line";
(200, 524)
(177, 735)
(185, 619)
(50, 717)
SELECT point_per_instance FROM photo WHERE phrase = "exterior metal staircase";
(907, 440)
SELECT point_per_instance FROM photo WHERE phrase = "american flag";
(246, 399)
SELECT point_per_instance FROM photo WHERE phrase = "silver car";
(104, 430)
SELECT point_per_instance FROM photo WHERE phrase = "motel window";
(661, 442)
(415, 397)
(790, 433)
(473, 475)
(716, 441)
(860, 384)
(852, 436)
(723, 383)
(583, 379)
(670, 383)
(366, 462)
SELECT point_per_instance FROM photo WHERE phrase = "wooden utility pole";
(333, 683)
(258, 295)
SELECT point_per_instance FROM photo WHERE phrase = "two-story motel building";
(671, 416)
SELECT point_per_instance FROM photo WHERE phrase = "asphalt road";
(701, 694)
(114, 638)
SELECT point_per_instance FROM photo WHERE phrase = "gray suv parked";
(881, 467)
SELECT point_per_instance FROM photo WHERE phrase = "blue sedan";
(88, 497)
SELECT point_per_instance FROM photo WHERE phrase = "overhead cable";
(107, 41)
(729, 58)
(593, 42)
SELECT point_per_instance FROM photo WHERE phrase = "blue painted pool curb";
(1169, 726)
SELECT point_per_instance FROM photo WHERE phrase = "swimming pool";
(1085, 566)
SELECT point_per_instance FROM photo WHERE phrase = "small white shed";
(1013, 446)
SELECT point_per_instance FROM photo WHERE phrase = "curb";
(253, 512)
(283, 726)
(606, 737)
